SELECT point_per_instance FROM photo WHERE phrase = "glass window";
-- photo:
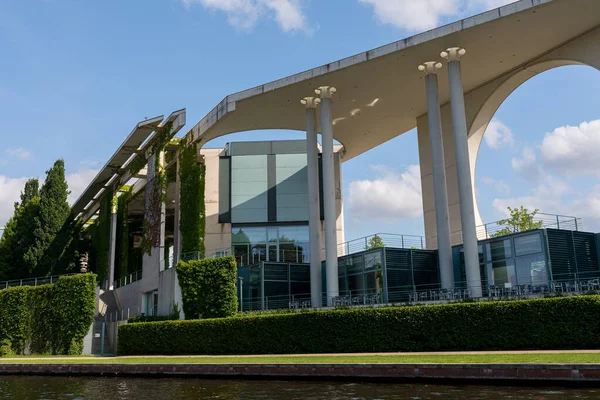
(356, 283)
(354, 264)
(499, 250)
(532, 270)
(528, 244)
(373, 260)
(249, 188)
(504, 272)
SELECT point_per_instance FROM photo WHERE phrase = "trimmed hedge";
(551, 323)
(51, 319)
(208, 287)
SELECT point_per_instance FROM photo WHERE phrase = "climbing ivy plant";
(100, 236)
(192, 176)
(122, 261)
(156, 189)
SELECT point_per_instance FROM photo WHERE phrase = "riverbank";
(556, 367)
(550, 374)
(467, 357)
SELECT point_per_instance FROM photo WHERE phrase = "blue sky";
(78, 75)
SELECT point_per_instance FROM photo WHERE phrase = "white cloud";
(389, 197)
(78, 182)
(418, 15)
(10, 190)
(527, 165)
(498, 135)
(245, 14)
(20, 153)
(547, 197)
(499, 185)
(573, 149)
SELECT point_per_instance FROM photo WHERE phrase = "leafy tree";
(520, 220)
(375, 242)
(52, 216)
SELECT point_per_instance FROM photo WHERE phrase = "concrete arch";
(481, 104)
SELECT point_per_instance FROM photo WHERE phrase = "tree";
(520, 220)
(19, 234)
(375, 242)
(52, 216)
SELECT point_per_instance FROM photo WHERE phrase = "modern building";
(447, 83)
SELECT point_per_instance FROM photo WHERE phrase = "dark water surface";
(32, 387)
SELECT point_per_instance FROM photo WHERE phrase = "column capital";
(325, 91)
(430, 67)
(310, 102)
(453, 53)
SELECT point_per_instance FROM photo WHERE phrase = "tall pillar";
(112, 249)
(463, 169)
(314, 220)
(439, 174)
(331, 261)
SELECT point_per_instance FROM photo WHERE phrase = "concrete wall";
(218, 236)
(481, 104)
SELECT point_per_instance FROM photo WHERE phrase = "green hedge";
(208, 287)
(51, 319)
(552, 323)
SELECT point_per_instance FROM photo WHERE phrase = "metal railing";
(44, 280)
(254, 255)
(129, 279)
(379, 240)
(496, 229)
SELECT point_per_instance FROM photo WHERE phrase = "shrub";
(6, 348)
(50, 318)
(175, 315)
(556, 323)
(208, 287)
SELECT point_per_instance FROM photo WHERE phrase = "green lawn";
(326, 359)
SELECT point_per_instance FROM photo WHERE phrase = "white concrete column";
(463, 170)
(329, 192)
(314, 219)
(439, 174)
(112, 249)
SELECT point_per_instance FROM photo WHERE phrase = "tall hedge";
(542, 324)
(192, 177)
(208, 287)
(51, 319)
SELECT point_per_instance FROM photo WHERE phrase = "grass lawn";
(567, 357)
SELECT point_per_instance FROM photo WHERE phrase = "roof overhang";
(114, 173)
(381, 93)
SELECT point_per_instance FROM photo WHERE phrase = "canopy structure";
(138, 141)
(381, 93)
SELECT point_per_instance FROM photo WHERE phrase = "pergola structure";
(447, 82)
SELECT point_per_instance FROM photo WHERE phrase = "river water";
(34, 387)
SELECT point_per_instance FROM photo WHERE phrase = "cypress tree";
(52, 215)
(19, 234)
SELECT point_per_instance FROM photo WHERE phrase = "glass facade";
(249, 189)
(253, 244)
(291, 187)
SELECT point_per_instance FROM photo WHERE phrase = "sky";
(78, 75)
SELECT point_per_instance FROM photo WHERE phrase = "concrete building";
(363, 101)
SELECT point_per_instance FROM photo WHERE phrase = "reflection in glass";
(528, 244)
(503, 272)
(274, 244)
(499, 250)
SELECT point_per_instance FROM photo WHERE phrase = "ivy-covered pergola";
(136, 180)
